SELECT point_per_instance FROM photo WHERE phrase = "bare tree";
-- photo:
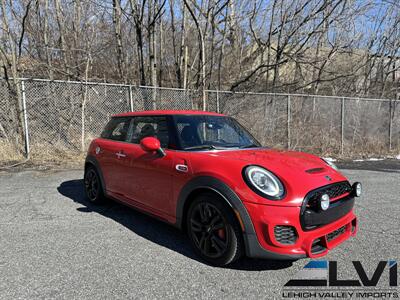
(202, 61)
(319, 46)
(9, 58)
(117, 12)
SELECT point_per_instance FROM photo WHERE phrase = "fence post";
(130, 98)
(288, 122)
(191, 98)
(217, 101)
(153, 97)
(342, 127)
(390, 124)
(27, 146)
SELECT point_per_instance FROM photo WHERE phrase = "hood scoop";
(315, 170)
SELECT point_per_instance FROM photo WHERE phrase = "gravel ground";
(55, 245)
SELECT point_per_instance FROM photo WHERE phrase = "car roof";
(167, 112)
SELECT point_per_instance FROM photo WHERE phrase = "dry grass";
(9, 152)
(55, 157)
(41, 156)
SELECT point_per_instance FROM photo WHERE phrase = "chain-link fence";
(62, 117)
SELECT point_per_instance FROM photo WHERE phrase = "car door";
(111, 154)
(149, 176)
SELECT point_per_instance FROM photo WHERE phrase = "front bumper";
(311, 243)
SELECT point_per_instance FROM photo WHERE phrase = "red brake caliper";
(221, 233)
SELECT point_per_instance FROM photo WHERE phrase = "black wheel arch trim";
(252, 245)
(90, 159)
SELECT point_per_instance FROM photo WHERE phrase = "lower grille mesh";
(286, 235)
(334, 234)
(317, 246)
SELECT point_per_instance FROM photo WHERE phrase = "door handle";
(120, 154)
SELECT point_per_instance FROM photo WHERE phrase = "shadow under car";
(154, 230)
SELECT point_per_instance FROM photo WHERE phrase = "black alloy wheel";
(214, 230)
(93, 188)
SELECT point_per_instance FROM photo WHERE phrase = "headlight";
(329, 163)
(264, 182)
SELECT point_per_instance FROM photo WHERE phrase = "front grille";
(334, 191)
(334, 234)
(311, 216)
(286, 235)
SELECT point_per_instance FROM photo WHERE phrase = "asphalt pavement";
(54, 244)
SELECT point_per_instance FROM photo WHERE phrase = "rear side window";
(150, 126)
(117, 129)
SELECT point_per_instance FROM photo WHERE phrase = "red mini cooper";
(204, 173)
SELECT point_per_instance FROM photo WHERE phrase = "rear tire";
(214, 231)
(93, 186)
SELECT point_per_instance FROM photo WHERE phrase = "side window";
(116, 129)
(151, 126)
(188, 134)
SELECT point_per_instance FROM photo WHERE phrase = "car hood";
(300, 172)
(274, 159)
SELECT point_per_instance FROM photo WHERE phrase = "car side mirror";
(152, 144)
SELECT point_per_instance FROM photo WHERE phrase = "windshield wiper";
(249, 146)
(201, 147)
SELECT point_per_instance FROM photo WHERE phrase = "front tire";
(214, 231)
(93, 187)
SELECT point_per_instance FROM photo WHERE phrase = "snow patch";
(398, 156)
(371, 159)
(330, 159)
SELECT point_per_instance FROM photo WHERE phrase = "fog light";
(325, 201)
(357, 188)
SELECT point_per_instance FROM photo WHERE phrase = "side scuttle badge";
(181, 168)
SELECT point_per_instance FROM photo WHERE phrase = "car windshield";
(200, 132)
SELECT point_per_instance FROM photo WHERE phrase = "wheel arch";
(197, 192)
(209, 184)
